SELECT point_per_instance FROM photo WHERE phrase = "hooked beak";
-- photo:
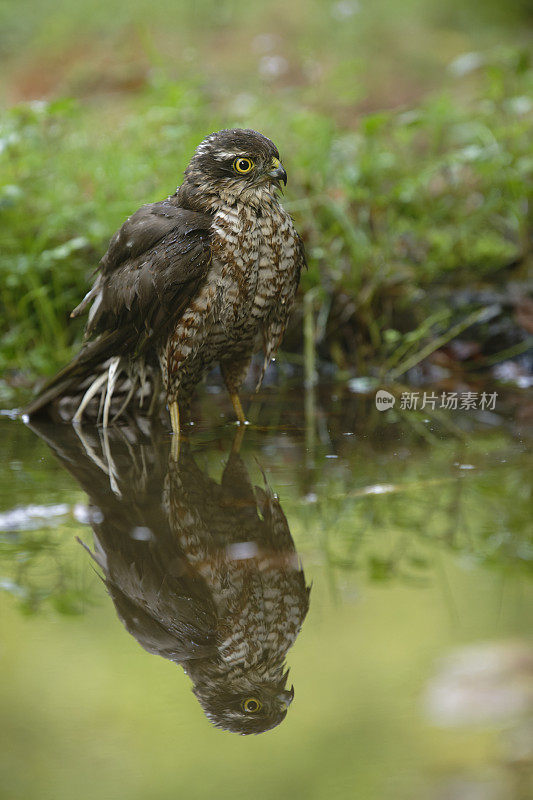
(277, 172)
(286, 697)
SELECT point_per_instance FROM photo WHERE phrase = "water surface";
(412, 671)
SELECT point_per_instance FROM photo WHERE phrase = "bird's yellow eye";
(243, 165)
(251, 705)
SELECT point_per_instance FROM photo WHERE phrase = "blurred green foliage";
(408, 153)
(391, 521)
(44, 572)
(411, 199)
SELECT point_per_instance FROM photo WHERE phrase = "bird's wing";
(167, 619)
(152, 267)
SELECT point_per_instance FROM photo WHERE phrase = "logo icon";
(384, 400)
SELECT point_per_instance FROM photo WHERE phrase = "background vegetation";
(406, 129)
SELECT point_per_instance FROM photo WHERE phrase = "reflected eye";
(243, 165)
(251, 705)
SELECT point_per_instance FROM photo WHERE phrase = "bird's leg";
(234, 372)
(175, 422)
(175, 417)
(237, 441)
(234, 397)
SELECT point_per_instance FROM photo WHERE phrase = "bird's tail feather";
(97, 377)
(71, 377)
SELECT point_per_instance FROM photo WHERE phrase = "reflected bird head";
(247, 704)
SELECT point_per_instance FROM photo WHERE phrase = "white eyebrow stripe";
(222, 155)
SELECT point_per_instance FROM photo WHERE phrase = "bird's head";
(233, 165)
(246, 704)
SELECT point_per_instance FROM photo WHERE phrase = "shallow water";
(412, 672)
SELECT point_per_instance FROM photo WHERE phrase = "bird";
(205, 277)
(202, 572)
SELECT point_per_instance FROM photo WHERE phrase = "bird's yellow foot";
(175, 422)
(234, 397)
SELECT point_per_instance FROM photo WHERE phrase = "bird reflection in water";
(201, 572)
